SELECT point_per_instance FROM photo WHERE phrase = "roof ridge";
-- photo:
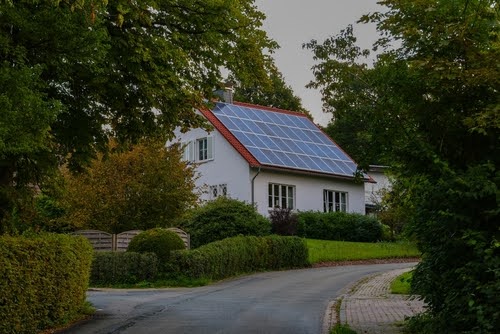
(258, 106)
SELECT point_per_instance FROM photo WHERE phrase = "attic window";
(204, 149)
(199, 150)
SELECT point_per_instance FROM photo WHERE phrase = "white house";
(272, 158)
(374, 190)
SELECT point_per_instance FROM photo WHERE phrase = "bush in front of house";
(159, 241)
(223, 218)
(242, 254)
(123, 268)
(340, 226)
(283, 221)
(44, 279)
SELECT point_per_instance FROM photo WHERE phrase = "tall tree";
(430, 104)
(74, 73)
(271, 93)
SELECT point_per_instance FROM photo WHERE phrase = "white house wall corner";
(226, 168)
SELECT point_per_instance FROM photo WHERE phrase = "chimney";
(226, 92)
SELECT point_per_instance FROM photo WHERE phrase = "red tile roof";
(230, 138)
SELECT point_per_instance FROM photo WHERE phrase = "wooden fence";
(103, 241)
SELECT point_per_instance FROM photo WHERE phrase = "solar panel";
(283, 140)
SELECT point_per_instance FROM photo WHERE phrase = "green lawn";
(327, 251)
(401, 284)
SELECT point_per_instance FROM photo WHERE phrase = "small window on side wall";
(204, 149)
(218, 190)
(199, 150)
(334, 201)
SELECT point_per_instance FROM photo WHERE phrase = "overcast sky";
(294, 22)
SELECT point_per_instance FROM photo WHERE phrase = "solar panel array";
(284, 140)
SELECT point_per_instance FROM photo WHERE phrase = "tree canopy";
(75, 73)
(429, 107)
(273, 93)
(144, 187)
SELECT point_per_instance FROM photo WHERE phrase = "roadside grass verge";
(330, 251)
(401, 284)
(170, 282)
(342, 329)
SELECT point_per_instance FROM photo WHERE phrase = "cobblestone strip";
(371, 309)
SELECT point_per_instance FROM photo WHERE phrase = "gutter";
(253, 186)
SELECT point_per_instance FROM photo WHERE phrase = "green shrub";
(283, 221)
(158, 241)
(123, 268)
(340, 226)
(242, 254)
(224, 218)
(43, 282)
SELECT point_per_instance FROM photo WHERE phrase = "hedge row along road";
(288, 302)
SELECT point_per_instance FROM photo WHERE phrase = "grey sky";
(294, 22)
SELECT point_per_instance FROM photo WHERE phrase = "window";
(204, 148)
(217, 190)
(199, 150)
(222, 189)
(281, 196)
(214, 193)
(334, 201)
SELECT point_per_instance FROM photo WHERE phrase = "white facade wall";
(308, 190)
(373, 191)
(227, 166)
(230, 168)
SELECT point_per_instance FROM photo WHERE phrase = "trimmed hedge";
(242, 254)
(123, 268)
(43, 282)
(339, 226)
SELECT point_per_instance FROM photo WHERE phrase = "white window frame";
(204, 149)
(335, 201)
(191, 149)
(281, 196)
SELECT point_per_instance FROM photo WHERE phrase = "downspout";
(253, 186)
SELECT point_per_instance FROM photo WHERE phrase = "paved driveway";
(276, 302)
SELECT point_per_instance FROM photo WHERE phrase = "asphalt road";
(275, 302)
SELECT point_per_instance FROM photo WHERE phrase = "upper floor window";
(201, 149)
(281, 196)
(334, 201)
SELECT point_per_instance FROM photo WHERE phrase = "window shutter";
(188, 153)
(185, 151)
(191, 151)
(210, 147)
